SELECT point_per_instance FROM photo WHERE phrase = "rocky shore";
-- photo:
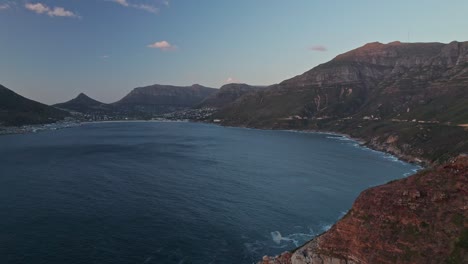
(419, 219)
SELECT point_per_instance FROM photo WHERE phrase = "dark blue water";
(175, 192)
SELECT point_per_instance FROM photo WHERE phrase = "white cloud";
(40, 8)
(4, 6)
(149, 8)
(121, 2)
(37, 8)
(162, 45)
(61, 12)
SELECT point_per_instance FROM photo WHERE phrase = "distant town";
(76, 119)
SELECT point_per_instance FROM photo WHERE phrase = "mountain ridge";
(227, 94)
(16, 110)
(158, 99)
(412, 92)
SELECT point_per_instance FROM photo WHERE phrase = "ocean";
(175, 192)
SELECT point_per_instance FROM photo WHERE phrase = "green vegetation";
(458, 219)
(461, 247)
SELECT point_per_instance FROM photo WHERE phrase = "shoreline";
(362, 142)
(27, 129)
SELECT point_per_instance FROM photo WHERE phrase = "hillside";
(159, 99)
(419, 219)
(84, 104)
(15, 110)
(399, 97)
(424, 81)
(227, 94)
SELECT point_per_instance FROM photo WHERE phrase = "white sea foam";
(277, 237)
(340, 138)
(297, 238)
(325, 227)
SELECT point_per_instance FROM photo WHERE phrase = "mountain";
(15, 110)
(158, 99)
(84, 104)
(419, 219)
(228, 94)
(406, 98)
(425, 81)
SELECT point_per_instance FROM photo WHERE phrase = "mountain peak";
(82, 96)
(388, 54)
(81, 103)
(373, 45)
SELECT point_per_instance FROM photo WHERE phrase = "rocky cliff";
(420, 219)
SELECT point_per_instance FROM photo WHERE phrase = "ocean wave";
(340, 138)
(296, 238)
(325, 227)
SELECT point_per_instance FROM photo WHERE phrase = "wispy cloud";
(146, 7)
(231, 80)
(120, 2)
(104, 57)
(320, 48)
(162, 45)
(40, 8)
(4, 6)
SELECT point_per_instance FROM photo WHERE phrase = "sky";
(51, 50)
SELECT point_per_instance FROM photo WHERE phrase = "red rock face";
(420, 219)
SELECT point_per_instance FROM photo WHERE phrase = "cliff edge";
(419, 219)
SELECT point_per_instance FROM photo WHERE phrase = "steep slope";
(157, 99)
(420, 219)
(83, 104)
(396, 80)
(16, 110)
(227, 94)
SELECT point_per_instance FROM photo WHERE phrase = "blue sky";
(51, 50)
